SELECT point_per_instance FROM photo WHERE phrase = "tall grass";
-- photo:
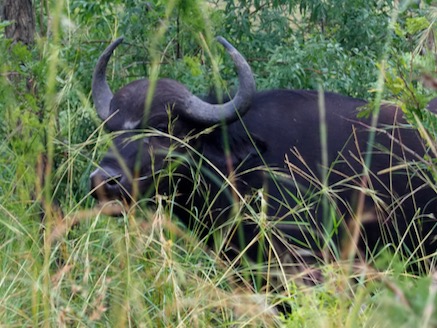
(65, 261)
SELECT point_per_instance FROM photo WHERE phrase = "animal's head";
(135, 155)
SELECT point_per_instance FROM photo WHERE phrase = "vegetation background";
(63, 262)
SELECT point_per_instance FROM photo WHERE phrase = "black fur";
(283, 126)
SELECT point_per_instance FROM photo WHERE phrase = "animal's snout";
(105, 185)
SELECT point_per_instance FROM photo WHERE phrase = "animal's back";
(289, 124)
(287, 119)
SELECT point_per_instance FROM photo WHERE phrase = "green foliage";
(409, 302)
(409, 63)
(415, 25)
(304, 67)
(22, 128)
(311, 39)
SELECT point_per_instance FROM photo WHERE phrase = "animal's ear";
(245, 149)
(242, 148)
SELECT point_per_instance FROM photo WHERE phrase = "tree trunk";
(2, 17)
(21, 13)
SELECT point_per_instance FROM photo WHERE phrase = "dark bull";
(270, 151)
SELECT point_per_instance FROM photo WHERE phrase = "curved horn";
(204, 113)
(102, 94)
